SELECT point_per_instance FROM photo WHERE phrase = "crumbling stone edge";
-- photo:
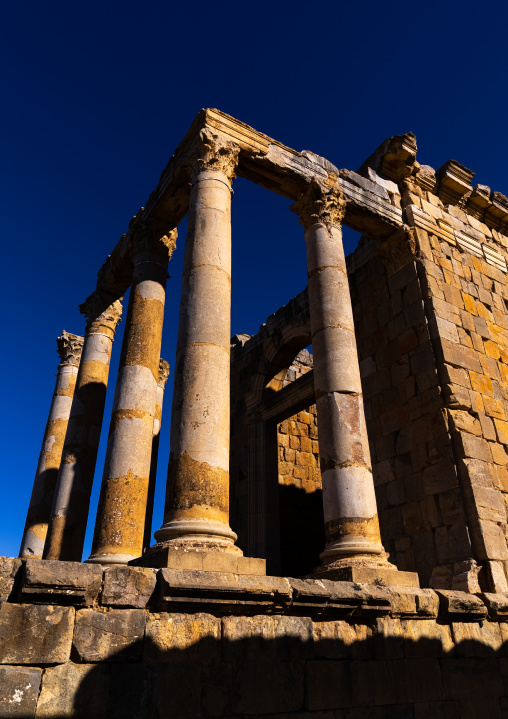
(46, 582)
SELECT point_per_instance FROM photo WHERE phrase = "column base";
(108, 559)
(196, 534)
(351, 546)
(170, 557)
(366, 569)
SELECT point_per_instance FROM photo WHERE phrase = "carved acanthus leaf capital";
(320, 204)
(101, 308)
(163, 373)
(148, 237)
(212, 152)
(69, 348)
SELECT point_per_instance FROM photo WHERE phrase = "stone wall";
(417, 490)
(430, 306)
(299, 452)
(130, 642)
(451, 272)
(466, 299)
(431, 323)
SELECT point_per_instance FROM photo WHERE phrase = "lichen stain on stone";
(122, 507)
(93, 372)
(121, 414)
(144, 328)
(196, 490)
(326, 464)
(40, 530)
(353, 526)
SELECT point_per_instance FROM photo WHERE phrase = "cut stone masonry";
(309, 496)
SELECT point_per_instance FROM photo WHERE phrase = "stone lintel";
(202, 561)
(275, 167)
(371, 575)
(271, 165)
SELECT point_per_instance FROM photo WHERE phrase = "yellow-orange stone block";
(504, 372)
(480, 383)
(502, 430)
(491, 349)
(494, 407)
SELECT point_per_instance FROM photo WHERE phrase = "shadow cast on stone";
(372, 676)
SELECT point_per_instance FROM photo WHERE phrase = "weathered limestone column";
(41, 501)
(350, 510)
(66, 532)
(161, 386)
(120, 525)
(197, 500)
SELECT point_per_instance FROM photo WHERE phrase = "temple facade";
(334, 541)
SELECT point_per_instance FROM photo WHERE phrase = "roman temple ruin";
(334, 541)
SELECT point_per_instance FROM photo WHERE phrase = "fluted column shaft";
(197, 499)
(119, 529)
(66, 533)
(349, 501)
(161, 385)
(41, 501)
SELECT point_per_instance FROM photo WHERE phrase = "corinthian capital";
(101, 309)
(148, 237)
(69, 348)
(320, 204)
(213, 152)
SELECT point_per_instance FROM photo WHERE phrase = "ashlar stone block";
(77, 691)
(48, 581)
(19, 689)
(473, 640)
(128, 586)
(35, 634)
(492, 539)
(9, 570)
(115, 635)
(182, 637)
(461, 605)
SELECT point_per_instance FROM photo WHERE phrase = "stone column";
(41, 501)
(350, 510)
(161, 385)
(197, 500)
(120, 524)
(66, 532)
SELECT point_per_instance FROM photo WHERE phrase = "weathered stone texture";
(117, 634)
(179, 637)
(35, 634)
(128, 586)
(418, 658)
(72, 690)
(430, 321)
(19, 690)
(46, 581)
(10, 569)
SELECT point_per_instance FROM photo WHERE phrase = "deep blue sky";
(96, 97)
